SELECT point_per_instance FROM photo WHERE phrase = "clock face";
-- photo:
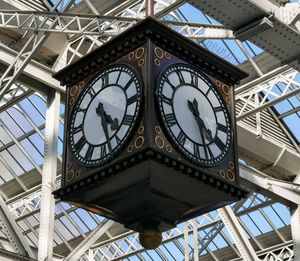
(194, 114)
(104, 114)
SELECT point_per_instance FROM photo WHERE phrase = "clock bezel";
(184, 152)
(140, 94)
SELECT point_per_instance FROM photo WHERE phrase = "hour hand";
(114, 123)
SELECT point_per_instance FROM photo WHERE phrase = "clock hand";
(114, 123)
(193, 106)
(100, 111)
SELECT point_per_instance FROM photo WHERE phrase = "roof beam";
(237, 233)
(46, 230)
(89, 241)
(36, 76)
(281, 191)
(12, 231)
(247, 14)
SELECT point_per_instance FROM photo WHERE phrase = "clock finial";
(150, 238)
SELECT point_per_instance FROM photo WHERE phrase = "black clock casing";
(149, 181)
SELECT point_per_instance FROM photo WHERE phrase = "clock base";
(151, 195)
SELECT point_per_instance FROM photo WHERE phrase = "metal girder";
(279, 38)
(287, 193)
(24, 56)
(126, 245)
(53, 22)
(237, 233)
(267, 93)
(295, 224)
(36, 76)
(12, 231)
(84, 24)
(84, 245)
(49, 174)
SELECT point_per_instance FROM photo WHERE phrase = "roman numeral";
(77, 129)
(103, 151)
(170, 118)
(105, 80)
(196, 151)
(209, 152)
(222, 127)
(128, 119)
(180, 77)
(168, 82)
(167, 100)
(91, 92)
(217, 109)
(118, 140)
(118, 78)
(89, 152)
(128, 84)
(132, 99)
(82, 110)
(194, 79)
(181, 138)
(219, 143)
(80, 144)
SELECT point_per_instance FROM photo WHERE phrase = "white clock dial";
(105, 113)
(194, 114)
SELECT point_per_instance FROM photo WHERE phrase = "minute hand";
(100, 111)
(193, 106)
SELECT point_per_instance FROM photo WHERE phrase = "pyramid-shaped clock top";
(150, 133)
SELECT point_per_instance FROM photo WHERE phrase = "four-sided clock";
(150, 135)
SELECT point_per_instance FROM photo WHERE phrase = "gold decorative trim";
(158, 52)
(73, 90)
(157, 62)
(139, 142)
(72, 101)
(77, 174)
(159, 142)
(218, 83)
(69, 165)
(141, 129)
(141, 62)
(157, 129)
(130, 148)
(169, 148)
(131, 55)
(222, 173)
(230, 175)
(168, 55)
(231, 165)
(139, 53)
(70, 172)
(81, 84)
(226, 89)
